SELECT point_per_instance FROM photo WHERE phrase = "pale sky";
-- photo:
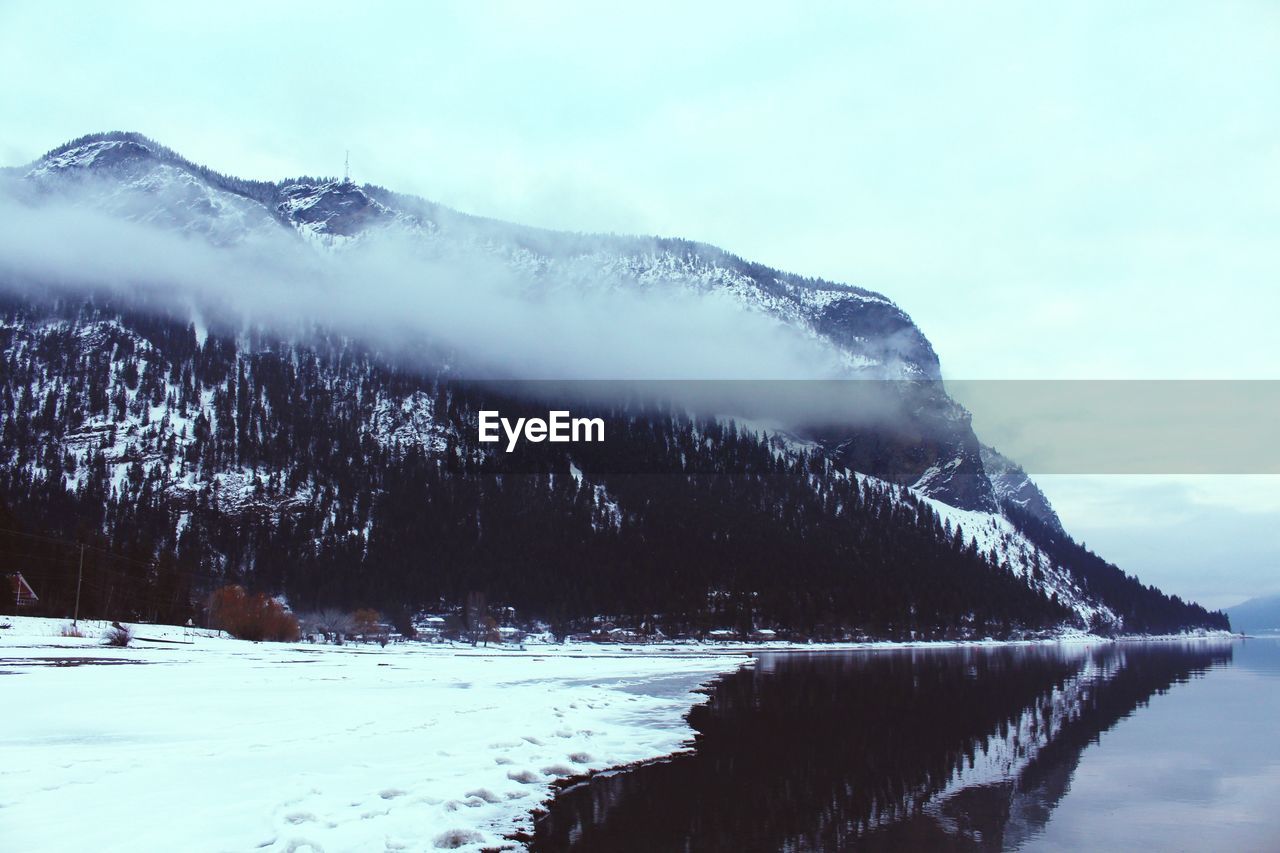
(1085, 190)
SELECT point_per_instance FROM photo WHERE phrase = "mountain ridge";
(268, 192)
(1261, 613)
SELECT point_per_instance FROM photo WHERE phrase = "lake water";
(1132, 746)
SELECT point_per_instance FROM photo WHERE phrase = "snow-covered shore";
(207, 743)
(228, 745)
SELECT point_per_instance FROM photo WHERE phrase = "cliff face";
(1012, 484)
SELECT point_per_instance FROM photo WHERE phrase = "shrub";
(71, 631)
(118, 635)
(252, 616)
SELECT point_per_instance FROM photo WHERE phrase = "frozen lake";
(1131, 746)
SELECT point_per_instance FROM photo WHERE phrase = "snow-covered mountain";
(134, 406)
(132, 177)
(129, 175)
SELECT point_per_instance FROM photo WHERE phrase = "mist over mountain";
(276, 384)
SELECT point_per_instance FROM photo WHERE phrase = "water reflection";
(952, 749)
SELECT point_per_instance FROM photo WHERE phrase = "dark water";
(1158, 746)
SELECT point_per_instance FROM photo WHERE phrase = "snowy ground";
(228, 745)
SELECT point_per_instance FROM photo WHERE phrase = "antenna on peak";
(346, 169)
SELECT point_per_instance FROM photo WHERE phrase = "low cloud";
(399, 291)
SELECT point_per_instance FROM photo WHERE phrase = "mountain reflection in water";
(939, 749)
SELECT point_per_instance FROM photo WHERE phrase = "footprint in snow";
(302, 846)
(524, 777)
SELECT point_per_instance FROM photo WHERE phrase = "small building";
(509, 634)
(623, 635)
(20, 592)
(430, 627)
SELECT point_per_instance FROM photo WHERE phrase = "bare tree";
(333, 623)
(474, 614)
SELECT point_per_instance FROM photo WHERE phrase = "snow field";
(229, 745)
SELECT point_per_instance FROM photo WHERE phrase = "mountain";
(1256, 614)
(866, 334)
(196, 446)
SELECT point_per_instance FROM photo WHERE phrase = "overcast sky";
(1052, 191)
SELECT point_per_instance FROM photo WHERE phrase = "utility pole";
(79, 580)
